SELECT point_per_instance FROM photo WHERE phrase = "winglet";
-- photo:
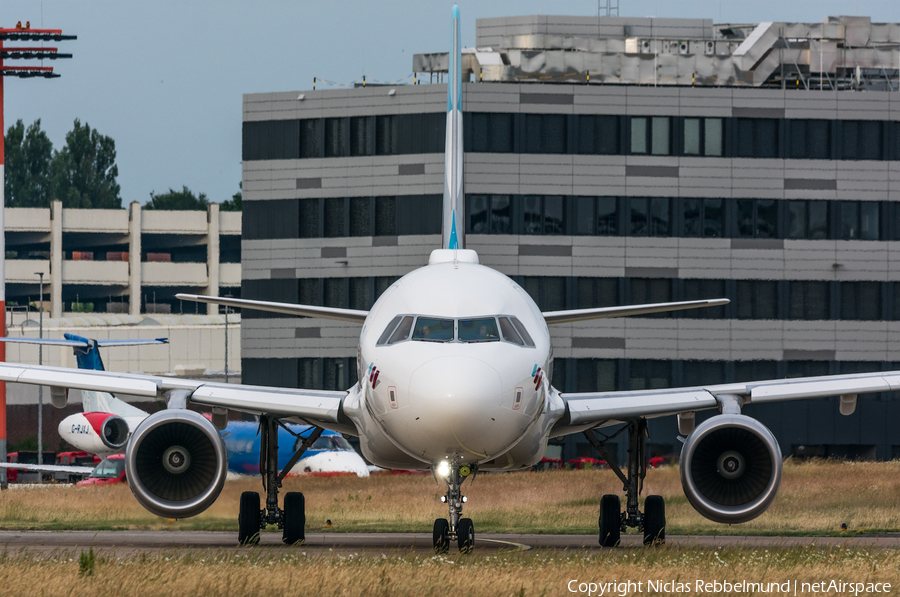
(453, 232)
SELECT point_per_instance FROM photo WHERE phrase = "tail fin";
(453, 232)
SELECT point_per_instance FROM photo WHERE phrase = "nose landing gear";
(613, 522)
(462, 530)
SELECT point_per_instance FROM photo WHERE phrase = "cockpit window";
(483, 329)
(430, 329)
(402, 331)
(509, 332)
(522, 332)
(390, 328)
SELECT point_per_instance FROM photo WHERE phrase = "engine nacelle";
(731, 468)
(114, 432)
(176, 463)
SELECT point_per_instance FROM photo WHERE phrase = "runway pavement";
(125, 543)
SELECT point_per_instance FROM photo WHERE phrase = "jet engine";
(176, 463)
(731, 468)
(114, 432)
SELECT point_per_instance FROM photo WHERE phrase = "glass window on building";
(810, 139)
(335, 292)
(859, 220)
(702, 136)
(756, 299)
(650, 290)
(607, 216)
(861, 139)
(548, 292)
(308, 291)
(309, 218)
(757, 218)
(554, 214)
(598, 135)
(334, 217)
(585, 224)
(492, 132)
(477, 210)
(806, 368)
(545, 133)
(703, 217)
(649, 375)
(361, 293)
(809, 300)
(531, 214)
(651, 135)
(861, 300)
(501, 214)
(336, 137)
(360, 216)
(308, 374)
(703, 373)
(701, 290)
(755, 370)
(597, 292)
(309, 138)
(756, 138)
(362, 135)
(595, 375)
(385, 216)
(386, 135)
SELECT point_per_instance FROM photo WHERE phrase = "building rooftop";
(849, 53)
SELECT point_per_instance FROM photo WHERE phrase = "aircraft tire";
(654, 520)
(466, 535)
(441, 536)
(610, 521)
(294, 518)
(248, 519)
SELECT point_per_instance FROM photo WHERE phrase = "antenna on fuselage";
(453, 232)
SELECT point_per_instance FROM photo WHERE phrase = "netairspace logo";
(629, 587)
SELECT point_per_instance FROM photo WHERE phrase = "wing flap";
(306, 404)
(590, 408)
(574, 315)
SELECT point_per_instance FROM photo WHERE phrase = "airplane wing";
(48, 468)
(313, 406)
(585, 410)
(553, 317)
(351, 315)
(82, 343)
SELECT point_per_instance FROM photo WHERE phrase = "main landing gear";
(291, 519)
(461, 530)
(652, 522)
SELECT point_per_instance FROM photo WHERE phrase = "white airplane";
(455, 368)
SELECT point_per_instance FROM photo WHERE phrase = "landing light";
(443, 469)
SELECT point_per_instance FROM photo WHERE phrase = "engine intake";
(731, 468)
(176, 463)
(114, 432)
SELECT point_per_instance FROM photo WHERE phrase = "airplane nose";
(457, 407)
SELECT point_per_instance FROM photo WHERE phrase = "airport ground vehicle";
(110, 471)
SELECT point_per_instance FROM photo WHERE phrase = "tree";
(27, 172)
(85, 171)
(234, 204)
(177, 200)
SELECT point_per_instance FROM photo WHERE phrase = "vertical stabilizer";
(453, 232)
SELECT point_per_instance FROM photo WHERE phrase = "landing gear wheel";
(610, 521)
(654, 520)
(294, 518)
(248, 519)
(441, 536)
(466, 535)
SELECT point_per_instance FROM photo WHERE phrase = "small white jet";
(455, 369)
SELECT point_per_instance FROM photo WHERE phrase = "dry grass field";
(251, 572)
(815, 498)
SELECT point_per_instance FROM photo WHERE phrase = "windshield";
(109, 469)
(478, 330)
(429, 329)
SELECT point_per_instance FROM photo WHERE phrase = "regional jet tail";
(455, 368)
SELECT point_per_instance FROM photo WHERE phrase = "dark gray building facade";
(592, 189)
